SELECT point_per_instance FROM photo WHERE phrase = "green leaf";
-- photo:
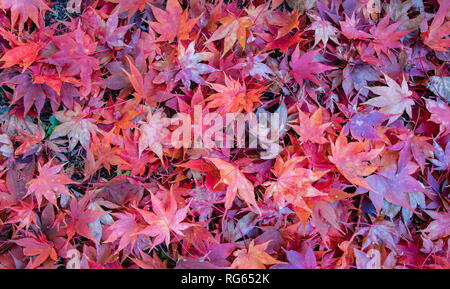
(53, 120)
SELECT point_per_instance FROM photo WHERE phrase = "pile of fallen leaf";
(360, 179)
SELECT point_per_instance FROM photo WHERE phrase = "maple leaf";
(350, 159)
(173, 22)
(440, 114)
(393, 99)
(303, 67)
(24, 215)
(294, 183)
(47, 74)
(191, 68)
(254, 257)
(130, 154)
(283, 43)
(412, 144)
(23, 10)
(124, 228)
(356, 78)
(80, 218)
(367, 54)
(232, 29)
(232, 97)
(137, 80)
(39, 247)
(386, 37)
(392, 183)
(198, 237)
(132, 6)
(143, 84)
(74, 54)
(436, 35)
(380, 232)
(75, 125)
(323, 30)
(164, 220)
(362, 125)
(350, 31)
(371, 260)
(324, 217)
(311, 128)
(203, 202)
(150, 261)
(29, 142)
(119, 78)
(103, 153)
(442, 161)
(298, 260)
(24, 54)
(253, 66)
(237, 184)
(440, 85)
(33, 94)
(287, 22)
(440, 226)
(49, 183)
(114, 34)
(153, 133)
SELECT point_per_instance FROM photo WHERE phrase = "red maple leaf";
(125, 229)
(132, 6)
(350, 31)
(164, 220)
(436, 37)
(74, 53)
(233, 97)
(304, 67)
(294, 183)
(311, 128)
(39, 247)
(24, 54)
(114, 33)
(49, 183)
(440, 226)
(440, 114)
(23, 10)
(385, 36)
(173, 22)
(80, 218)
(237, 184)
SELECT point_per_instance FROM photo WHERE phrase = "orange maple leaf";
(232, 29)
(293, 183)
(237, 183)
(233, 97)
(350, 160)
(311, 128)
(254, 257)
